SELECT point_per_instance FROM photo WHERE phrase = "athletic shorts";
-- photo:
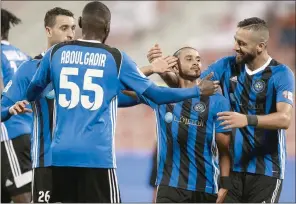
(167, 194)
(42, 185)
(16, 167)
(84, 185)
(253, 188)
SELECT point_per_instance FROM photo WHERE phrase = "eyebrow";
(192, 56)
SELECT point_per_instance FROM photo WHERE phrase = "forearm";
(274, 121)
(147, 70)
(224, 163)
(163, 95)
(127, 101)
(170, 78)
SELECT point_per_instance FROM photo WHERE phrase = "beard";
(190, 75)
(244, 58)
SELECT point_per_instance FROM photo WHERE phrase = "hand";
(221, 195)
(154, 53)
(19, 108)
(164, 64)
(233, 120)
(208, 87)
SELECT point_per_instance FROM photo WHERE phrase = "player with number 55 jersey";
(87, 76)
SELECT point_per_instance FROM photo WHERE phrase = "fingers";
(12, 111)
(225, 113)
(209, 76)
(27, 110)
(154, 53)
(224, 118)
(171, 60)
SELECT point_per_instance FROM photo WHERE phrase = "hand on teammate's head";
(164, 64)
(154, 53)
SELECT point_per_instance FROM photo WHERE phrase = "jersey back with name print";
(86, 77)
(11, 59)
(187, 151)
(256, 150)
(42, 112)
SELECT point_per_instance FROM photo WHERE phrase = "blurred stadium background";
(137, 26)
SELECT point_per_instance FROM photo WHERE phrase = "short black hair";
(253, 23)
(95, 21)
(7, 19)
(50, 16)
(177, 53)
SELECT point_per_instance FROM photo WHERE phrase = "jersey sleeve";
(285, 86)
(16, 88)
(221, 104)
(41, 78)
(147, 101)
(131, 76)
(217, 67)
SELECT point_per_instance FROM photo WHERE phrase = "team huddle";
(59, 110)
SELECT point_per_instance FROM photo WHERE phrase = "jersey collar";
(5, 42)
(93, 41)
(250, 72)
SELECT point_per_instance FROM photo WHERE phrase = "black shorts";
(253, 188)
(167, 194)
(84, 185)
(153, 173)
(42, 185)
(16, 166)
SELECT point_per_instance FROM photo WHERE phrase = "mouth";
(195, 68)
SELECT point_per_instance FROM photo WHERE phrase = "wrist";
(252, 120)
(225, 182)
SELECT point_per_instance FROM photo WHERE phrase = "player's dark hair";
(95, 21)
(7, 19)
(50, 16)
(177, 53)
(253, 23)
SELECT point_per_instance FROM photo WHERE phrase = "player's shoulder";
(280, 68)
(225, 60)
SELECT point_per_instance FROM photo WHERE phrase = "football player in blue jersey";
(60, 26)
(260, 90)
(15, 133)
(188, 136)
(87, 76)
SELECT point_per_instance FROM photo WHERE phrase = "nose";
(236, 47)
(70, 35)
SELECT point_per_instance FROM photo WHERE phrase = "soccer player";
(15, 133)
(188, 134)
(260, 90)
(87, 76)
(60, 26)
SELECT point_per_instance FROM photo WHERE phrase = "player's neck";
(186, 83)
(91, 37)
(258, 62)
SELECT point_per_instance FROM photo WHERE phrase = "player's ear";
(48, 31)
(107, 30)
(261, 46)
(79, 22)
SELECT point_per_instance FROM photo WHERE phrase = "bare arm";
(278, 120)
(223, 141)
